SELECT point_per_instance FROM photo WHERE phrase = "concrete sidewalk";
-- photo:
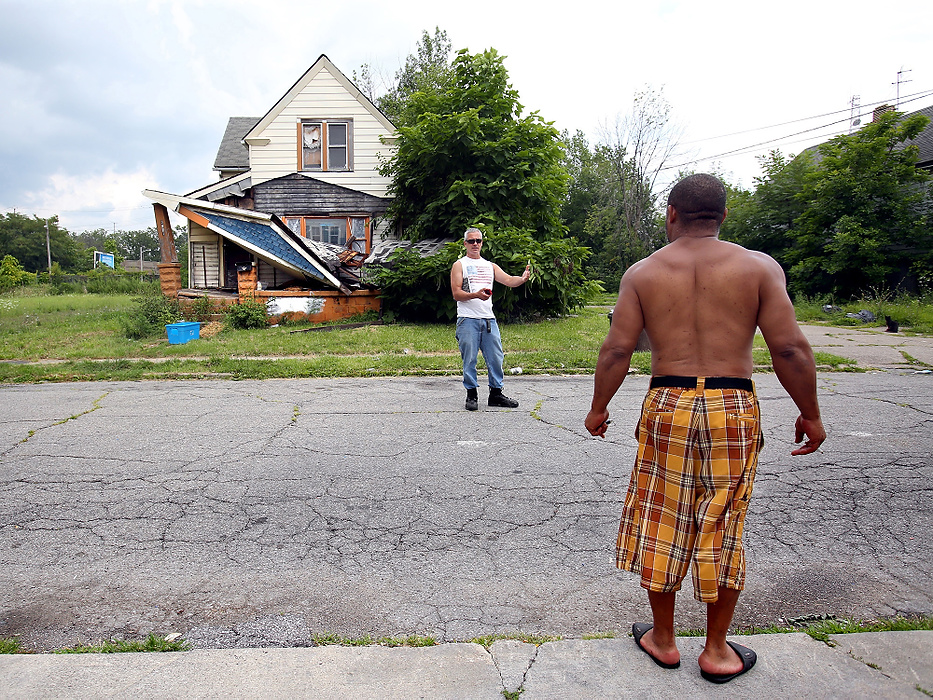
(866, 665)
(873, 348)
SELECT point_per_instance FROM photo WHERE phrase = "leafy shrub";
(249, 313)
(110, 282)
(152, 314)
(418, 289)
(202, 309)
(13, 275)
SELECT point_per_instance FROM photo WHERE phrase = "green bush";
(119, 283)
(418, 289)
(13, 275)
(152, 314)
(202, 309)
(247, 314)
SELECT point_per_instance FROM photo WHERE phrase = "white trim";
(321, 63)
(219, 185)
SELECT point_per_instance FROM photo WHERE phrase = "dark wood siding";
(297, 195)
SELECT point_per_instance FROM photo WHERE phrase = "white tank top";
(477, 275)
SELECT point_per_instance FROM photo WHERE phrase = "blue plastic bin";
(180, 333)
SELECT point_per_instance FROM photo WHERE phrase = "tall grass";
(914, 314)
(83, 337)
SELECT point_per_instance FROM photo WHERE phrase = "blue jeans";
(473, 338)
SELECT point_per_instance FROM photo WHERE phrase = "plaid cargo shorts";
(689, 491)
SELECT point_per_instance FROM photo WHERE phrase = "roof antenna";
(855, 113)
(897, 103)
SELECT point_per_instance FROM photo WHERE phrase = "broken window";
(325, 145)
(334, 230)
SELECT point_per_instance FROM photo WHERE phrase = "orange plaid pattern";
(689, 491)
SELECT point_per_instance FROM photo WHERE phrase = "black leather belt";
(710, 383)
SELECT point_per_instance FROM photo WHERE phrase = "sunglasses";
(474, 241)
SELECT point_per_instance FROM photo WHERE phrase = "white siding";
(271, 276)
(323, 98)
(204, 258)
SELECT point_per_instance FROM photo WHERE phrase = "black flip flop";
(638, 631)
(748, 660)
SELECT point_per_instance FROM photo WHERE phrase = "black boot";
(471, 400)
(497, 398)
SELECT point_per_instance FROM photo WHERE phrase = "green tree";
(428, 70)
(25, 239)
(468, 156)
(418, 289)
(612, 203)
(634, 153)
(129, 243)
(867, 216)
(764, 219)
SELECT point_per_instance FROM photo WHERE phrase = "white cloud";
(101, 200)
(98, 95)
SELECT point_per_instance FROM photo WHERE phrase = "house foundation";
(170, 279)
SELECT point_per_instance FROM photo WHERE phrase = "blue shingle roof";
(267, 239)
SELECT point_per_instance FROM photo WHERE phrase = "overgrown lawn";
(81, 337)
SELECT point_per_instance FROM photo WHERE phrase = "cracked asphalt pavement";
(259, 513)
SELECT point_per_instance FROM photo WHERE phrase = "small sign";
(104, 259)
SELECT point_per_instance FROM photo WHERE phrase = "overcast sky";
(99, 100)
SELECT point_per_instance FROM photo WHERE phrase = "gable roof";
(322, 63)
(233, 154)
(924, 141)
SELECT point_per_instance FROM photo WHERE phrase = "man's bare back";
(699, 299)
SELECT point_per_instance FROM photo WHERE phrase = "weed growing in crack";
(10, 646)
(537, 639)
(150, 643)
(331, 639)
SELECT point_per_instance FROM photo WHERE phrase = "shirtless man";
(699, 300)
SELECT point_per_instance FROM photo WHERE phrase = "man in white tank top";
(471, 280)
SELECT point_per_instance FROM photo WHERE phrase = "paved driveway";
(259, 512)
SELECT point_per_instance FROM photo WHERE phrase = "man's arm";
(791, 356)
(456, 286)
(511, 280)
(615, 355)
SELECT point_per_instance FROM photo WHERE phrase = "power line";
(913, 97)
(744, 150)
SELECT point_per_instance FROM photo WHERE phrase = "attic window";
(324, 144)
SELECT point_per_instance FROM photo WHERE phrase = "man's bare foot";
(725, 672)
(720, 661)
(665, 655)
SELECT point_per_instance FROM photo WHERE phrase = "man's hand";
(527, 273)
(597, 422)
(483, 294)
(814, 431)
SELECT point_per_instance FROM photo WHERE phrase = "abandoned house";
(297, 208)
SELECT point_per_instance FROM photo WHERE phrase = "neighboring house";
(147, 267)
(924, 142)
(299, 203)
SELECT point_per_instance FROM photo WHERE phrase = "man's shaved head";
(699, 197)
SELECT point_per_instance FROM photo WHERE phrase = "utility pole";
(48, 247)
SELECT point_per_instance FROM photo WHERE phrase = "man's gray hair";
(472, 229)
